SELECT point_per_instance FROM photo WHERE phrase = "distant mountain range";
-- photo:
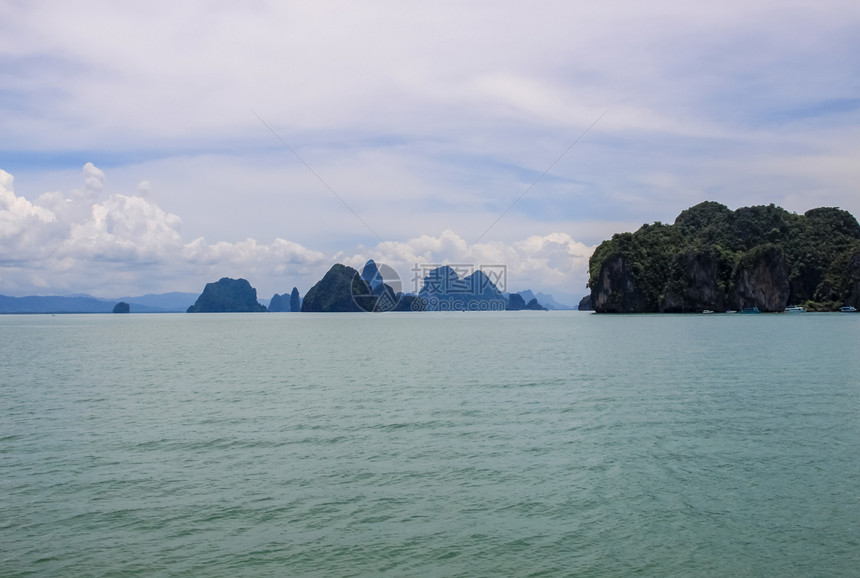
(151, 303)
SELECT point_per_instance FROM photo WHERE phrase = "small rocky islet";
(344, 289)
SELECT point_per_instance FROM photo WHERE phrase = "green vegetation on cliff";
(715, 258)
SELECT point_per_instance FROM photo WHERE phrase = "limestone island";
(227, 296)
(760, 258)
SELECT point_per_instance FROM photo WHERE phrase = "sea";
(430, 444)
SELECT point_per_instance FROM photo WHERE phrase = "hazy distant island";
(227, 296)
(713, 258)
(341, 289)
(291, 303)
(344, 289)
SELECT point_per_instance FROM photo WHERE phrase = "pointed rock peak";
(442, 280)
(295, 301)
(371, 274)
(479, 283)
(443, 272)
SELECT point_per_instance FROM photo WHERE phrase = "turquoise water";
(454, 444)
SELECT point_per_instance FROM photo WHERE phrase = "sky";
(157, 146)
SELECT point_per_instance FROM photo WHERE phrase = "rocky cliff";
(616, 290)
(761, 280)
(696, 282)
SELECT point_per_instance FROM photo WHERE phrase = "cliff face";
(616, 290)
(853, 280)
(717, 259)
(762, 281)
(227, 296)
(694, 284)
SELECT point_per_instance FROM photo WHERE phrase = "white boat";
(795, 309)
(848, 309)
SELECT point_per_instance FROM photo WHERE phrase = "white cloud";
(121, 244)
(422, 118)
(16, 213)
(94, 179)
(554, 262)
(127, 244)
(125, 228)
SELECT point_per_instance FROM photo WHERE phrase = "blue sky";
(135, 159)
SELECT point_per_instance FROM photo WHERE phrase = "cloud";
(127, 244)
(423, 119)
(94, 179)
(554, 262)
(17, 214)
(120, 244)
(125, 228)
(163, 75)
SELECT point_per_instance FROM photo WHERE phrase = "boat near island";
(750, 310)
(795, 309)
(848, 309)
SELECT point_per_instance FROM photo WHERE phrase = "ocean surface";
(428, 444)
